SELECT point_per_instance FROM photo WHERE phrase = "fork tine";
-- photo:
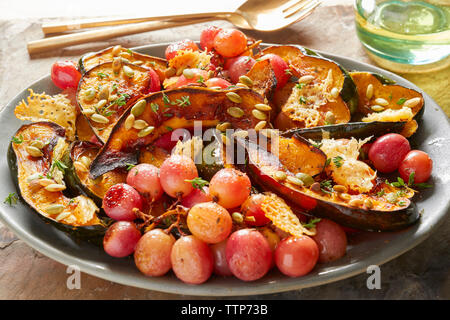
(289, 4)
(302, 11)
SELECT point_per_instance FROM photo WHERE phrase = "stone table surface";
(421, 273)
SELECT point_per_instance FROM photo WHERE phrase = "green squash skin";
(92, 234)
(358, 130)
(81, 67)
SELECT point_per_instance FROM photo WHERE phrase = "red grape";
(197, 76)
(120, 200)
(217, 82)
(121, 238)
(65, 75)
(220, 261)
(230, 187)
(195, 197)
(230, 42)
(251, 209)
(296, 256)
(173, 174)
(207, 37)
(172, 49)
(248, 254)
(418, 162)
(279, 67)
(145, 178)
(239, 66)
(155, 84)
(209, 222)
(388, 151)
(331, 240)
(152, 254)
(192, 260)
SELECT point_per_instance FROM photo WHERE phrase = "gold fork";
(262, 15)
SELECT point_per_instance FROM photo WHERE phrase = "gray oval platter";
(365, 249)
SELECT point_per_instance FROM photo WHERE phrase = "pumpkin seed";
(89, 94)
(188, 73)
(112, 97)
(355, 202)
(330, 118)
(140, 124)
(225, 139)
(86, 161)
(116, 65)
(377, 108)
(381, 102)
(125, 55)
(116, 50)
(235, 112)
(241, 85)
(246, 80)
(259, 114)
(368, 203)
(128, 71)
(340, 188)
(234, 97)
(104, 94)
(37, 143)
(260, 125)
(88, 111)
(334, 92)
(263, 107)
(125, 60)
(223, 126)
(345, 196)
(80, 166)
(34, 176)
(139, 108)
(54, 209)
(146, 131)
(269, 133)
(369, 91)
(138, 62)
(250, 218)
(306, 79)
(170, 72)
(306, 178)
(241, 134)
(99, 118)
(101, 103)
(34, 152)
(294, 180)
(411, 103)
(55, 187)
(280, 175)
(45, 182)
(237, 217)
(129, 122)
(63, 215)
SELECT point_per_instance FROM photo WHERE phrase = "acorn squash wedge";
(329, 89)
(103, 95)
(172, 109)
(76, 216)
(384, 214)
(263, 77)
(93, 59)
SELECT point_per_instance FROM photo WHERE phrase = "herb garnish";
(102, 75)
(338, 161)
(326, 187)
(155, 107)
(401, 101)
(418, 185)
(288, 72)
(130, 166)
(183, 102)
(302, 100)
(312, 223)
(198, 183)
(18, 140)
(11, 199)
(300, 85)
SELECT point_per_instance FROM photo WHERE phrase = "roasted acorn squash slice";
(76, 216)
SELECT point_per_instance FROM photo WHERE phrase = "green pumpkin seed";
(260, 125)
(246, 80)
(263, 107)
(369, 91)
(345, 196)
(355, 202)
(139, 108)
(234, 97)
(334, 92)
(306, 178)
(55, 187)
(138, 62)
(306, 79)
(237, 217)
(34, 176)
(381, 102)
(128, 71)
(330, 118)
(241, 134)
(129, 122)
(125, 54)
(116, 65)
(223, 126)
(411, 103)
(188, 73)
(368, 203)
(340, 188)
(241, 85)
(99, 118)
(140, 124)
(116, 50)
(37, 143)
(80, 166)
(145, 132)
(235, 112)
(295, 181)
(63, 215)
(54, 209)
(101, 103)
(280, 175)
(259, 114)
(89, 94)
(34, 152)
(215, 88)
(88, 111)
(46, 182)
(104, 94)
(377, 108)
